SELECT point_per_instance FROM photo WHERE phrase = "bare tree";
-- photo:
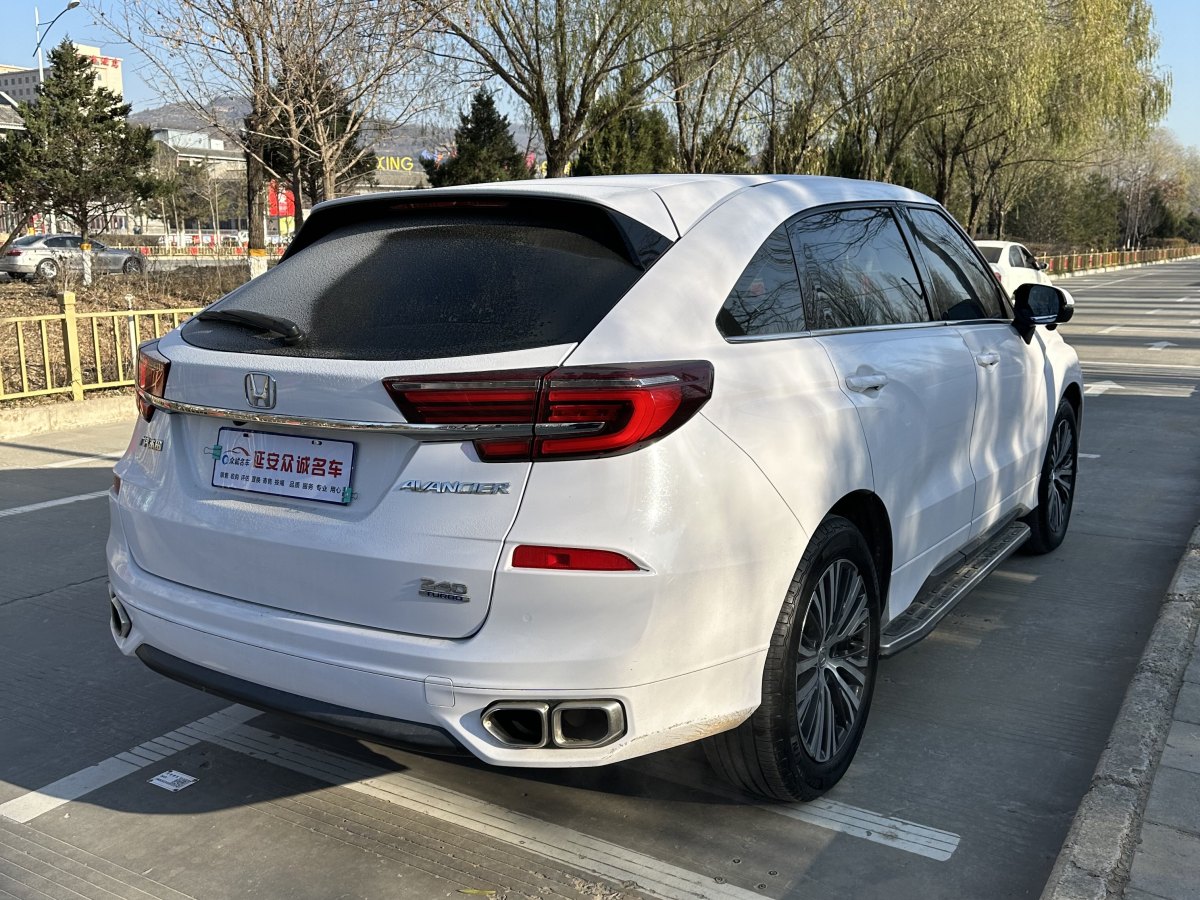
(277, 57)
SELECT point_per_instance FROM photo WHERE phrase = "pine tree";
(89, 159)
(485, 149)
(635, 140)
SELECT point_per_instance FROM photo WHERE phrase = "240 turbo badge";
(444, 590)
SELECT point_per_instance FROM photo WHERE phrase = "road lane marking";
(63, 463)
(1161, 345)
(1153, 312)
(1105, 364)
(29, 806)
(1109, 330)
(1089, 455)
(34, 507)
(1100, 387)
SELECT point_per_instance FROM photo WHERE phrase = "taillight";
(152, 371)
(530, 557)
(568, 413)
(13, 253)
(999, 276)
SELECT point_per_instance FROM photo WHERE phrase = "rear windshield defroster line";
(425, 283)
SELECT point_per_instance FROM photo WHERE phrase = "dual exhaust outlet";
(567, 724)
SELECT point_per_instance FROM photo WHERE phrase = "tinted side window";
(58, 243)
(1014, 258)
(962, 288)
(766, 299)
(858, 268)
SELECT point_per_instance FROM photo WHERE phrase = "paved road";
(981, 742)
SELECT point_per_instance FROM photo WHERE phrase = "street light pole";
(37, 23)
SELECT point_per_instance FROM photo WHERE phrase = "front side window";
(766, 299)
(1014, 258)
(962, 287)
(859, 269)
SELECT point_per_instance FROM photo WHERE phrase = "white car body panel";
(1012, 276)
(320, 601)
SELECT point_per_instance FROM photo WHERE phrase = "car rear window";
(991, 254)
(415, 281)
(27, 240)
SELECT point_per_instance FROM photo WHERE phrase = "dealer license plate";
(285, 465)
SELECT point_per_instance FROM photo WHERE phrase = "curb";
(1094, 861)
(28, 420)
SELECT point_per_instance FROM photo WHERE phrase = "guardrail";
(1071, 263)
(186, 251)
(72, 352)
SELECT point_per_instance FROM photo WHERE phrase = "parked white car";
(565, 472)
(1013, 264)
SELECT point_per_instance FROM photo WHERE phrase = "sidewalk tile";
(1175, 801)
(1193, 670)
(1187, 707)
(1183, 747)
(1166, 864)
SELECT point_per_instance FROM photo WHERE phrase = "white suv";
(566, 472)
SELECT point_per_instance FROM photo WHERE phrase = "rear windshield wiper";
(291, 333)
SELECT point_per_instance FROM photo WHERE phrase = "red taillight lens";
(152, 371)
(527, 557)
(13, 253)
(570, 413)
(116, 488)
(999, 276)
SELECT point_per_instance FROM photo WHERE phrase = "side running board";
(942, 593)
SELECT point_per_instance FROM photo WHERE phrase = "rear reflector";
(575, 412)
(529, 557)
(152, 371)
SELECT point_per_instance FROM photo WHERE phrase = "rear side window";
(962, 286)
(991, 254)
(766, 299)
(859, 269)
(422, 281)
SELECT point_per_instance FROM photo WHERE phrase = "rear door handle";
(987, 359)
(860, 384)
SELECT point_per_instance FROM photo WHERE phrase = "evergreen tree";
(89, 159)
(632, 141)
(485, 149)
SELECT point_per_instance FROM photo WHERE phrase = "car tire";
(1056, 486)
(133, 266)
(827, 629)
(47, 270)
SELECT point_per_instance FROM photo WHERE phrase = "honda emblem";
(260, 390)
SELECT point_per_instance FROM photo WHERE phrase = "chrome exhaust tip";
(576, 724)
(522, 724)
(118, 619)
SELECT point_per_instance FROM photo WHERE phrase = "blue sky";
(1177, 23)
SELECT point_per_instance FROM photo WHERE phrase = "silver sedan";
(47, 256)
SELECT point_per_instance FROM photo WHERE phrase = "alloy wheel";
(1062, 476)
(833, 660)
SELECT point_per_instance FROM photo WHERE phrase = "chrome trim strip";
(420, 432)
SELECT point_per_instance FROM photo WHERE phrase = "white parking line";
(34, 507)
(62, 463)
(29, 806)
(227, 728)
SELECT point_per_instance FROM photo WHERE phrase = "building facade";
(21, 83)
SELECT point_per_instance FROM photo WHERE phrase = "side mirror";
(1041, 304)
(1041, 264)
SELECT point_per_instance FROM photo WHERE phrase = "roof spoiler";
(639, 243)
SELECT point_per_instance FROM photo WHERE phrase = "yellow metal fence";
(72, 352)
(1082, 262)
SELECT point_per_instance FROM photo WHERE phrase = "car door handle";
(987, 359)
(860, 384)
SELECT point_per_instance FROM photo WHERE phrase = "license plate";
(284, 465)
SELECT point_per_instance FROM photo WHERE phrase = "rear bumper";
(396, 687)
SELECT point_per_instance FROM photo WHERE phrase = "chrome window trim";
(420, 432)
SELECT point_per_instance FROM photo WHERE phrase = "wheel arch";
(1073, 394)
(869, 515)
